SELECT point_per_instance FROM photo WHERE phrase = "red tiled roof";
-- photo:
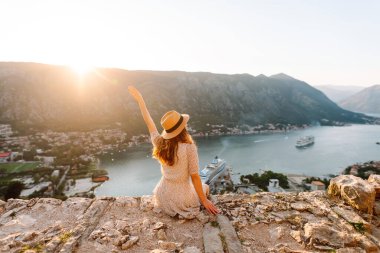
(6, 154)
(317, 183)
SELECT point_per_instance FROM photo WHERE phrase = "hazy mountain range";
(367, 100)
(46, 96)
(337, 93)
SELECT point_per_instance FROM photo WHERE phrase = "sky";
(317, 41)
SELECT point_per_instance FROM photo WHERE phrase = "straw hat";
(173, 124)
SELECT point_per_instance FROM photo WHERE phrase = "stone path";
(220, 236)
(211, 238)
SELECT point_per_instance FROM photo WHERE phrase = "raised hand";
(144, 111)
(135, 93)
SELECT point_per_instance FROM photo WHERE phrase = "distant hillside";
(47, 96)
(338, 93)
(367, 100)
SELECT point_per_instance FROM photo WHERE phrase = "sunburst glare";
(81, 68)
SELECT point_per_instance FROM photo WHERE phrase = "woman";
(177, 153)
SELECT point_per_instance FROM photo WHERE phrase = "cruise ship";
(212, 169)
(305, 141)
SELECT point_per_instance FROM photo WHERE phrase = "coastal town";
(57, 164)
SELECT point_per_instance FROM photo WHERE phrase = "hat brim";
(176, 132)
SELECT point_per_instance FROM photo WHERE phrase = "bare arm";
(195, 178)
(144, 111)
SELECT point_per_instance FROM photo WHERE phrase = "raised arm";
(144, 111)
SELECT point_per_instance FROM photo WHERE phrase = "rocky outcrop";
(374, 180)
(304, 222)
(263, 222)
(94, 225)
(355, 191)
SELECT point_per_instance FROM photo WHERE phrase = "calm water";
(135, 173)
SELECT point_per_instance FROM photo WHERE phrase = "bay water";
(135, 173)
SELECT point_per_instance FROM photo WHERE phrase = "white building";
(317, 185)
(5, 130)
(274, 186)
(47, 160)
(14, 155)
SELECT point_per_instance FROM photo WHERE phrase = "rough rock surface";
(374, 180)
(303, 222)
(355, 191)
(263, 222)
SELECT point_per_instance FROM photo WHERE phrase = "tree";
(262, 180)
(29, 155)
(14, 189)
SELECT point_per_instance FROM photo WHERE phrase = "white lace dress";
(175, 192)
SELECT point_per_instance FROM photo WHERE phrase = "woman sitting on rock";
(177, 153)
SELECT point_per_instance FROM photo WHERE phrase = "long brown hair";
(166, 149)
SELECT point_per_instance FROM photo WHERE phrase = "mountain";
(338, 93)
(43, 96)
(367, 100)
(282, 76)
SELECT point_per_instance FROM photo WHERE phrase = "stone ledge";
(264, 222)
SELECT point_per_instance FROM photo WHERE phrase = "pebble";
(120, 240)
(132, 240)
(169, 245)
(146, 223)
(203, 218)
(161, 235)
(296, 235)
(181, 221)
(158, 251)
(159, 225)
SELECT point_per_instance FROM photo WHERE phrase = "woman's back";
(175, 193)
(186, 161)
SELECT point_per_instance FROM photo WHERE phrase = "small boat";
(378, 143)
(305, 141)
(100, 178)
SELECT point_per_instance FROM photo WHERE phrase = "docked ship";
(212, 170)
(305, 141)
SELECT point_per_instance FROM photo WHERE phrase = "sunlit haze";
(80, 68)
(318, 41)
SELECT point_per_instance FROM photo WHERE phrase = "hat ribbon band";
(175, 126)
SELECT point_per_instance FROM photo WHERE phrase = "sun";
(81, 68)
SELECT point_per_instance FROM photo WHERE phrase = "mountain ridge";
(337, 93)
(282, 76)
(366, 100)
(49, 96)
